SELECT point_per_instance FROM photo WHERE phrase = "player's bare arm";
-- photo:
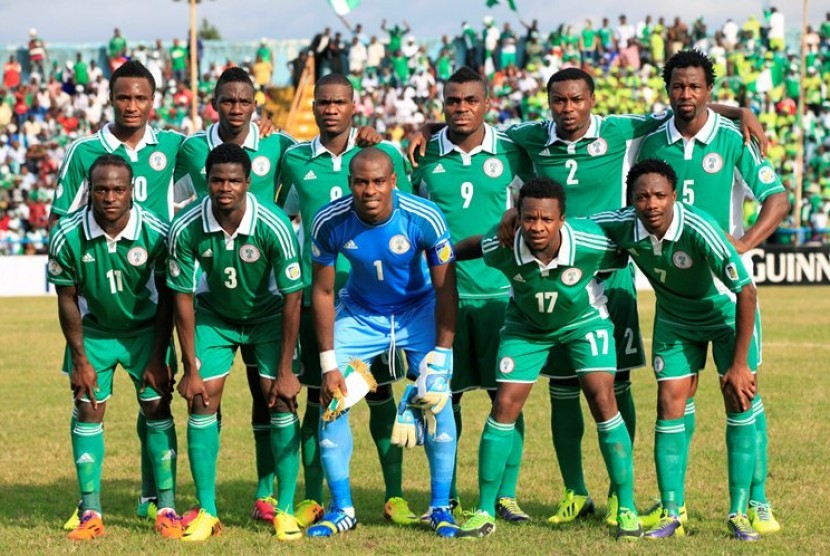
(322, 306)
(446, 303)
(418, 144)
(468, 248)
(773, 211)
(84, 379)
(738, 383)
(191, 385)
(507, 227)
(750, 125)
(286, 386)
(157, 374)
(367, 136)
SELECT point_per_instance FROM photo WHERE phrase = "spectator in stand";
(396, 34)
(11, 73)
(81, 72)
(375, 53)
(37, 54)
(262, 72)
(589, 44)
(777, 29)
(178, 61)
(678, 35)
(358, 55)
(627, 44)
(116, 49)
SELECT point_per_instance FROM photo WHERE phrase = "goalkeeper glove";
(408, 430)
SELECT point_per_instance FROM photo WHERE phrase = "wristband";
(328, 361)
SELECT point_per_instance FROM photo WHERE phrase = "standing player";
(716, 169)
(234, 267)
(470, 171)
(400, 294)
(107, 262)
(313, 174)
(152, 154)
(556, 310)
(704, 294)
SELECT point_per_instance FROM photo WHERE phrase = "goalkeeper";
(395, 298)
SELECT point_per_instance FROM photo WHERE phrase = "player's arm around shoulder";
(593, 238)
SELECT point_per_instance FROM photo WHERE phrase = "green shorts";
(104, 354)
(217, 340)
(586, 349)
(310, 375)
(680, 351)
(474, 351)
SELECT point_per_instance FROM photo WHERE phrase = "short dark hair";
(109, 160)
(543, 188)
(691, 58)
(229, 153)
(650, 166)
(132, 68)
(334, 79)
(232, 75)
(571, 74)
(467, 75)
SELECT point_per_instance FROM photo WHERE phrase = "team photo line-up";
(342, 265)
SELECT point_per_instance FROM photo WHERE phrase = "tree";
(208, 32)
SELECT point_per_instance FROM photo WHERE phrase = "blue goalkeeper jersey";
(389, 272)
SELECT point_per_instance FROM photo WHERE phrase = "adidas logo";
(208, 253)
(350, 245)
(518, 278)
(169, 456)
(443, 437)
(86, 457)
(545, 152)
(326, 443)
(88, 258)
(439, 169)
(310, 176)
(203, 172)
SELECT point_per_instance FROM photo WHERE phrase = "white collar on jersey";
(251, 140)
(706, 133)
(130, 231)
(592, 133)
(565, 257)
(246, 226)
(111, 142)
(488, 143)
(317, 147)
(672, 234)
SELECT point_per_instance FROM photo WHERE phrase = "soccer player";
(470, 171)
(400, 294)
(589, 156)
(313, 174)
(704, 295)
(556, 311)
(714, 169)
(235, 271)
(152, 154)
(107, 262)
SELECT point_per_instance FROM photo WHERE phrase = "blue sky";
(70, 20)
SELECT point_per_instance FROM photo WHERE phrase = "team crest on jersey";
(493, 167)
(174, 268)
(158, 161)
(598, 147)
(571, 276)
(260, 165)
(137, 256)
(292, 271)
(444, 251)
(399, 244)
(766, 175)
(249, 253)
(731, 271)
(659, 364)
(54, 267)
(681, 260)
(506, 365)
(712, 163)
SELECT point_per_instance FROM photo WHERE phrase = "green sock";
(456, 414)
(615, 445)
(88, 451)
(669, 459)
(689, 422)
(567, 428)
(381, 420)
(203, 449)
(264, 460)
(285, 448)
(148, 480)
(514, 463)
(758, 491)
(493, 452)
(741, 447)
(312, 468)
(625, 403)
(162, 446)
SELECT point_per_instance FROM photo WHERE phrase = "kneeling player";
(704, 295)
(556, 307)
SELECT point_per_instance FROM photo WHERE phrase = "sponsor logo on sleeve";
(54, 267)
(732, 271)
(174, 268)
(766, 175)
(293, 271)
(444, 251)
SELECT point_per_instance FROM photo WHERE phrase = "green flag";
(510, 4)
(344, 7)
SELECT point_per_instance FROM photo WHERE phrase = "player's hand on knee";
(192, 386)
(285, 387)
(84, 382)
(408, 430)
(157, 376)
(332, 381)
(433, 381)
(738, 387)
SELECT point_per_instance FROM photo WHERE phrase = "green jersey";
(266, 159)
(715, 169)
(693, 269)
(313, 177)
(592, 169)
(473, 190)
(114, 276)
(153, 161)
(242, 277)
(563, 294)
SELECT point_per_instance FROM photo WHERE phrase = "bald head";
(372, 179)
(374, 156)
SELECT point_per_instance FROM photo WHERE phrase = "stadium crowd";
(399, 84)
